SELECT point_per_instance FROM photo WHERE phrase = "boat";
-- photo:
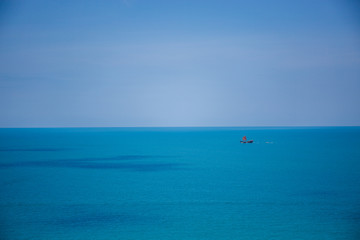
(244, 140)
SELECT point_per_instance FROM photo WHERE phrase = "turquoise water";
(180, 183)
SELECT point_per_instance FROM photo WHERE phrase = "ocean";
(180, 183)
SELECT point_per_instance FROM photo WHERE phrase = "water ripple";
(128, 162)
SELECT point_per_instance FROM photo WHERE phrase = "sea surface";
(180, 183)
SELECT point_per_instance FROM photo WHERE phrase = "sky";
(153, 63)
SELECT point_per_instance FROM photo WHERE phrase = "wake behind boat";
(244, 140)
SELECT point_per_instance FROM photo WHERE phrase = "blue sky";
(179, 63)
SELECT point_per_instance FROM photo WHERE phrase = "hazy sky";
(179, 63)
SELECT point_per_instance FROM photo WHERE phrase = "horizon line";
(264, 126)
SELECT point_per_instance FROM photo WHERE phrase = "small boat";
(244, 140)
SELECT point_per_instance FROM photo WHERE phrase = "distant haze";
(179, 63)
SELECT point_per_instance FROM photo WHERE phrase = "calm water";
(180, 183)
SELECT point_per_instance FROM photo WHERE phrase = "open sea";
(180, 183)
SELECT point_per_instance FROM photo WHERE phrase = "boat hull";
(250, 141)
